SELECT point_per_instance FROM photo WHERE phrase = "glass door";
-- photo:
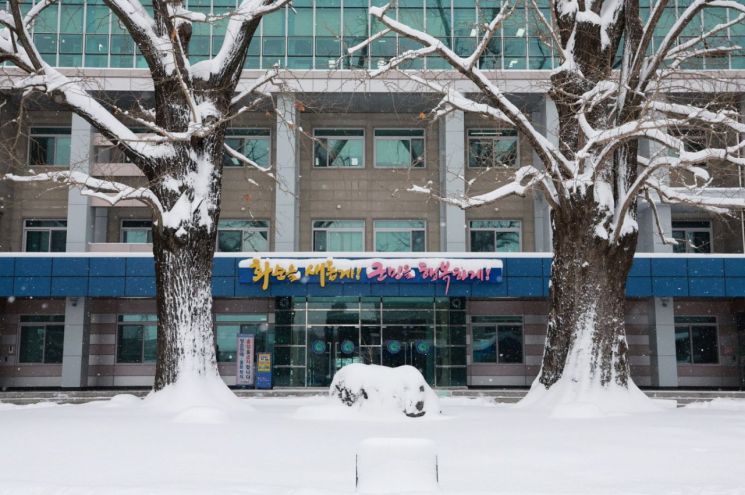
(410, 345)
(329, 348)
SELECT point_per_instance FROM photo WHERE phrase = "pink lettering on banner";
(443, 271)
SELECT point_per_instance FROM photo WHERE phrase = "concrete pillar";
(285, 205)
(75, 350)
(649, 235)
(549, 118)
(79, 215)
(452, 168)
(100, 224)
(663, 361)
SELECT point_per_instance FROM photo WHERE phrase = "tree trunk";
(183, 272)
(586, 339)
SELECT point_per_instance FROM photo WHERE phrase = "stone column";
(452, 170)
(663, 361)
(285, 203)
(100, 224)
(79, 214)
(75, 350)
(79, 234)
(549, 118)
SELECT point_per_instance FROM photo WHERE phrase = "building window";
(254, 144)
(339, 235)
(137, 231)
(692, 237)
(44, 236)
(696, 339)
(234, 236)
(400, 235)
(137, 338)
(399, 148)
(342, 148)
(229, 326)
(497, 339)
(488, 236)
(492, 148)
(42, 338)
(49, 146)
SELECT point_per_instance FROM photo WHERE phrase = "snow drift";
(379, 388)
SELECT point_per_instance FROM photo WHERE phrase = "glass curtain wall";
(83, 33)
(315, 337)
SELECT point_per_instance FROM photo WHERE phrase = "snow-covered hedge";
(380, 388)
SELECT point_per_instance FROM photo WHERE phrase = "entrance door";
(412, 345)
(330, 347)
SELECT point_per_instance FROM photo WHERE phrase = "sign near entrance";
(264, 370)
(245, 352)
(266, 270)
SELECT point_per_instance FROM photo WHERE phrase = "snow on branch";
(109, 191)
(246, 160)
(649, 66)
(556, 163)
(526, 178)
(711, 199)
(238, 34)
(17, 47)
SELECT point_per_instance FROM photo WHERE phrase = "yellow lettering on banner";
(261, 272)
(318, 269)
(332, 270)
(292, 274)
(279, 272)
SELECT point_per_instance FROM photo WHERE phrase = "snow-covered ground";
(307, 446)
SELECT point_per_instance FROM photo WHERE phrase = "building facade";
(78, 284)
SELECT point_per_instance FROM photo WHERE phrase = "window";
(236, 236)
(399, 148)
(137, 231)
(254, 144)
(137, 339)
(339, 235)
(492, 148)
(49, 146)
(343, 148)
(400, 235)
(696, 339)
(43, 236)
(692, 237)
(229, 326)
(489, 236)
(497, 339)
(42, 337)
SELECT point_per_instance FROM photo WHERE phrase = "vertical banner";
(244, 375)
(264, 370)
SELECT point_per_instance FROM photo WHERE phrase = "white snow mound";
(376, 388)
(568, 398)
(191, 392)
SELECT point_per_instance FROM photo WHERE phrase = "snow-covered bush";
(373, 387)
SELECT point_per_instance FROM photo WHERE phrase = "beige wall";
(482, 181)
(367, 193)
(28, 200)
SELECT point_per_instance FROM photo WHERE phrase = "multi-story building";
(79, 308)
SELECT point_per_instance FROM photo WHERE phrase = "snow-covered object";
(379, 388)
(396, 465)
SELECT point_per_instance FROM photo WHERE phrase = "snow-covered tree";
(181, 155)
(595, 176)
